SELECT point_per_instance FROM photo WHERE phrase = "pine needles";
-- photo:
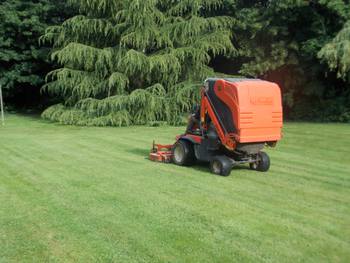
(133, 62)
(337, 53)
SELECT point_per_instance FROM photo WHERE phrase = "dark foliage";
(23, 62)
(302, 45)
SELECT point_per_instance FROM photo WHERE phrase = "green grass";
(74, 194)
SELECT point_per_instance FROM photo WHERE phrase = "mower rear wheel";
(262, 164)
(221, 165)
(183, 153)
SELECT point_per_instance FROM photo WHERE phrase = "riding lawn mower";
(236, 119)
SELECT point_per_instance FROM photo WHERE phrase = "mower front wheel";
(262, 163)
(221, 165)
(183, 153)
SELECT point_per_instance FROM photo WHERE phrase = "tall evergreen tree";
(133, 61)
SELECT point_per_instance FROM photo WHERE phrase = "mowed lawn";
(74, 194)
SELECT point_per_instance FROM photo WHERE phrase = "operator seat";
(222, 111)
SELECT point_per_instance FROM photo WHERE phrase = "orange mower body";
(236, 119)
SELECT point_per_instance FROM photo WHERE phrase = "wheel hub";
(216, 167)
(178, 154)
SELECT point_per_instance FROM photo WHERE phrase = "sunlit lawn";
(74, 194)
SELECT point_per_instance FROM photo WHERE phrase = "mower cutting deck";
(161, 153)
(236, 120)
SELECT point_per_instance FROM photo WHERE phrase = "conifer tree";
(133, 61)
(337, 53)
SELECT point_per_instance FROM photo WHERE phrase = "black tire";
(221, 165)
(183, 153)
(262, 164)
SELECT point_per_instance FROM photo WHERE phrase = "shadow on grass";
(205, 167)
(140, 152)
(198, 166)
